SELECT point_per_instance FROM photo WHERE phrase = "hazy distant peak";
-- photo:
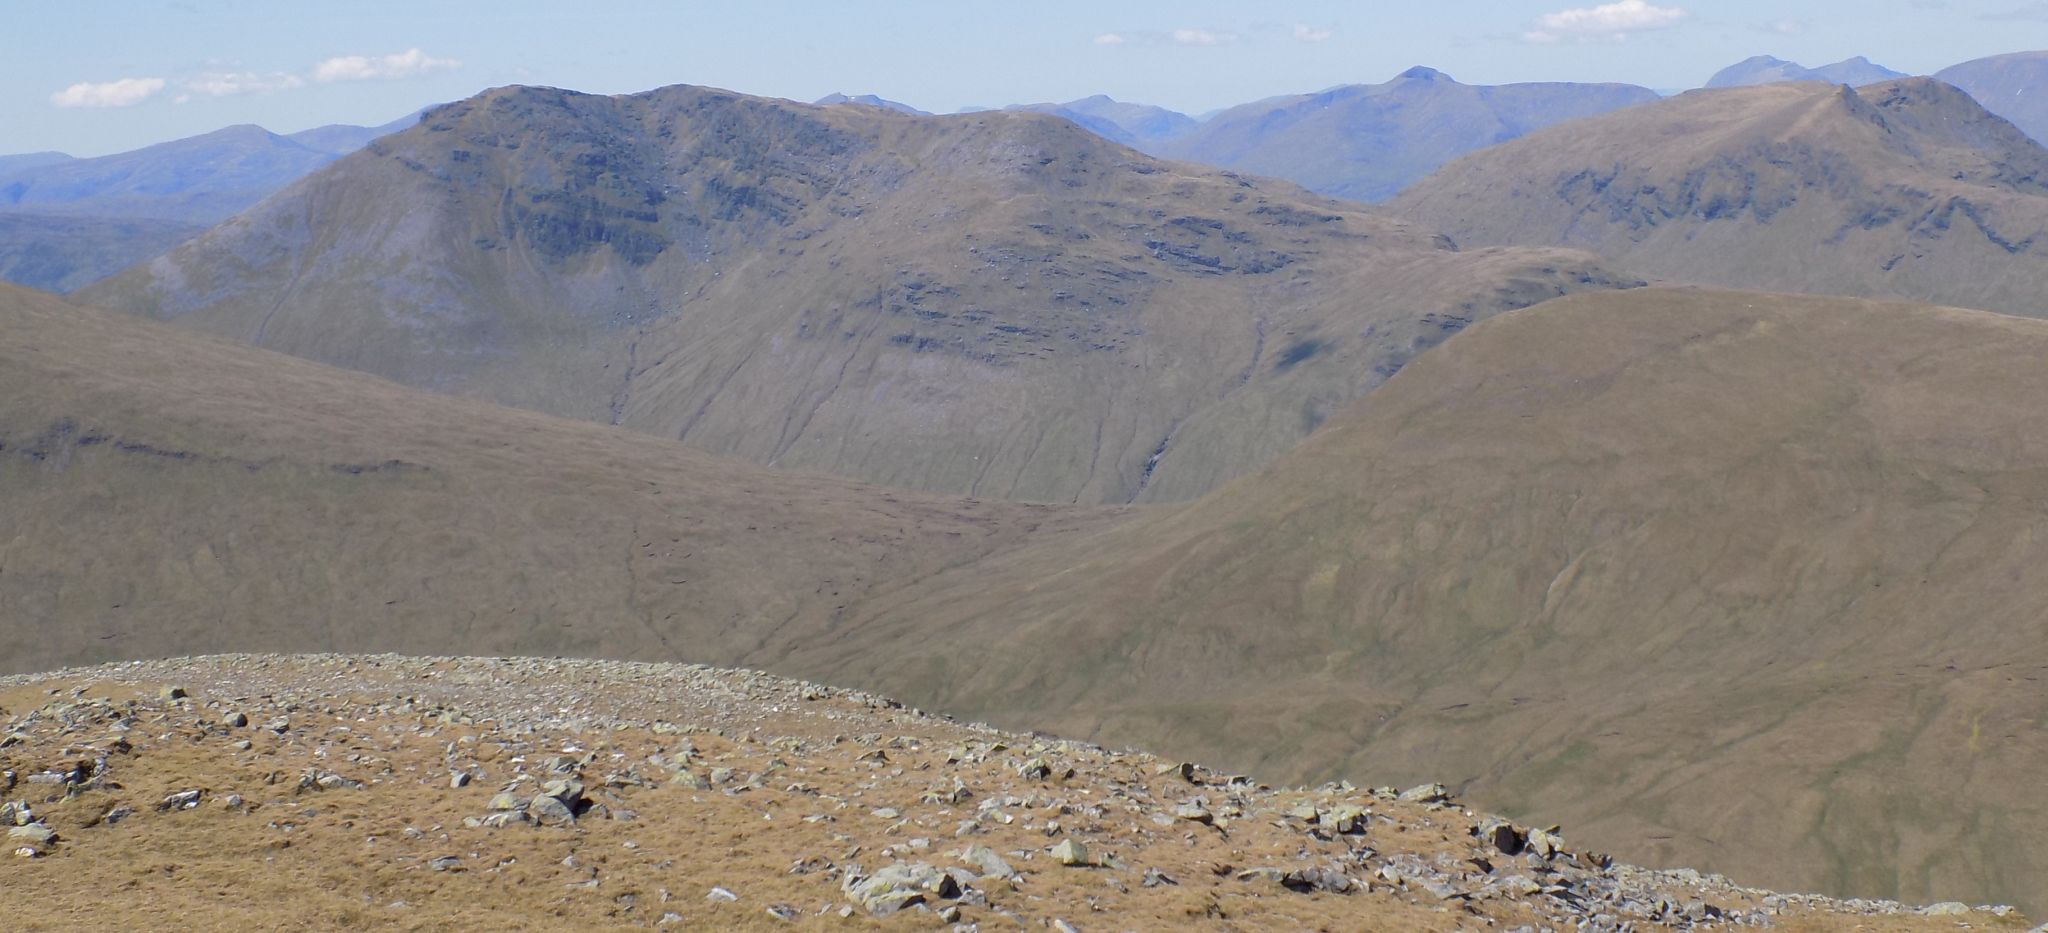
(1768, 69)
(1424, 73)
(869, 100)
(2008, 85)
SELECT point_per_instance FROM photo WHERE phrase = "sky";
(89, 77)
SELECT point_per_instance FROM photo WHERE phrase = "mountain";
(995, 304)
(341, 138)
(246, 500)
(1367, 141)
(1136, 125)
(200, 180)
(197, 180)
(10, 164)
(870, 100)
(66, 222)
(1906, 189)
(1764, 69)
(60, 254)
(1745, 575)
(2011, 86)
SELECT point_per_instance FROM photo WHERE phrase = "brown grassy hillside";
(995, 304)
(1745, 576)
(163, 492)
(1903, 189)
(1750, 576)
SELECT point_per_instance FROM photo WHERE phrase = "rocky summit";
(337, 792)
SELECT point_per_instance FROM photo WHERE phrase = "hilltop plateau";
(341, 792)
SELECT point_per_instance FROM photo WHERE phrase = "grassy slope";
(1751, 575)
(991, 304)
(162, 492)
(1905, 189)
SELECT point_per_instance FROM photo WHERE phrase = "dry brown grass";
(357, 859)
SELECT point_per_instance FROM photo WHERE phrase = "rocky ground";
(331, 792)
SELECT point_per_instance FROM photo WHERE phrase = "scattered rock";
(986, 862)
(34, 834)
(182, 800)
(1070, 852)
(1425, 793)
(550, 811)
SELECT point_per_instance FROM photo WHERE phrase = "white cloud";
(1611, 22)
(1202, 37)
(117, 93)
(1788, 27)
(1311, 34)
(230, 83)
(125, 92)
(406, 64)
(1109, 38)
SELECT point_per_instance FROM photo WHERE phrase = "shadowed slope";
(162, 492)
(1367, 141)
(994, 304)
(1905, 189)
(1752, 575)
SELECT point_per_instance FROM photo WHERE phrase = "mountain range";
(1367, 141)
(1904, 189)
(1500, 483)
(200, 180)
(66, 222)
(996, 304)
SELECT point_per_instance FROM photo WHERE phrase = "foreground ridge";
(347, 791)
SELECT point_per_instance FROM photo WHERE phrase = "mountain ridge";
(996, 304)
(1367, 141)
(1905, 189)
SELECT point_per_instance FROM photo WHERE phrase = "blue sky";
(94, 77)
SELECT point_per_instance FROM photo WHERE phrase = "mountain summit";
(1367, 141)
(1904, 189)
(1765, 69)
